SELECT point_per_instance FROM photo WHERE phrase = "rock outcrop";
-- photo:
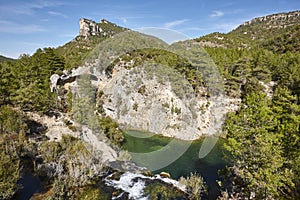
(88, 27)
(280, 20)
(137, 99)
(56, 127)
(69, 77)
(151, 97)
(91, 28)
(140, 100)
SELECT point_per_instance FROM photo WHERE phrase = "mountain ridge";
(90, 35)
(5, 59)
(255, 32)
(250, 34)
(275, 19)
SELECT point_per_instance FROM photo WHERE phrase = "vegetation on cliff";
(76, 51)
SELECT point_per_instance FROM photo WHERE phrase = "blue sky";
(28, 25)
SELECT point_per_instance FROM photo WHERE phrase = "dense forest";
(263, 136)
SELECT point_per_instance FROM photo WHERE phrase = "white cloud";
(27, 8)
(44, 20)
(194, 29)
(68, 35)
(175, 23)
(12, 27)
(124, 20)
(53, 13)
(236, 11)
(167, 35)
(34, 44)
(217, 13)
(226, 27)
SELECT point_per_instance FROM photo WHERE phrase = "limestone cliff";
(142, 100)
(104, 28)
(256, 32)
(88, 27)
(150, 96)
(280, 20)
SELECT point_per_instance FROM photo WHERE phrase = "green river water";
(189, 161)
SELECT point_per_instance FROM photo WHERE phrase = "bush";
(112, 131)
(195, 185)
(135, 106)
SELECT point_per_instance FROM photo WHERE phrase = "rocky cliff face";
(57, 127)
(88, 27)
(139, 99)
(281, 20)
(91, 28)
(257, 30)
(151, 97)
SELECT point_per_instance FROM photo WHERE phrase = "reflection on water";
(189, 162)
(30, 185)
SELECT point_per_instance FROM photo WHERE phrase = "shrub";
(195, 185)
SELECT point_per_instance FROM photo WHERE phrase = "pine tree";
(256, 149)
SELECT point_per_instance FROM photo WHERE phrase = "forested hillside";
(4, 59)
(25, 82)
(77, 50)
(263, 135)
(277, 32)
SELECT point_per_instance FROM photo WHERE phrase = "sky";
(26, 25)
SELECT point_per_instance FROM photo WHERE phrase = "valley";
(118, 114)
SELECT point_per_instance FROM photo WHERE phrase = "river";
(188, 162)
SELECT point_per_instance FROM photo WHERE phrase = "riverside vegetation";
(263, 136)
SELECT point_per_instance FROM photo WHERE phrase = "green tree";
(84, 102)
(9, 174)
(112, 131)
(12, 131)
(287, 112)
(31, 85)
(5, 82)
(257, 150)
